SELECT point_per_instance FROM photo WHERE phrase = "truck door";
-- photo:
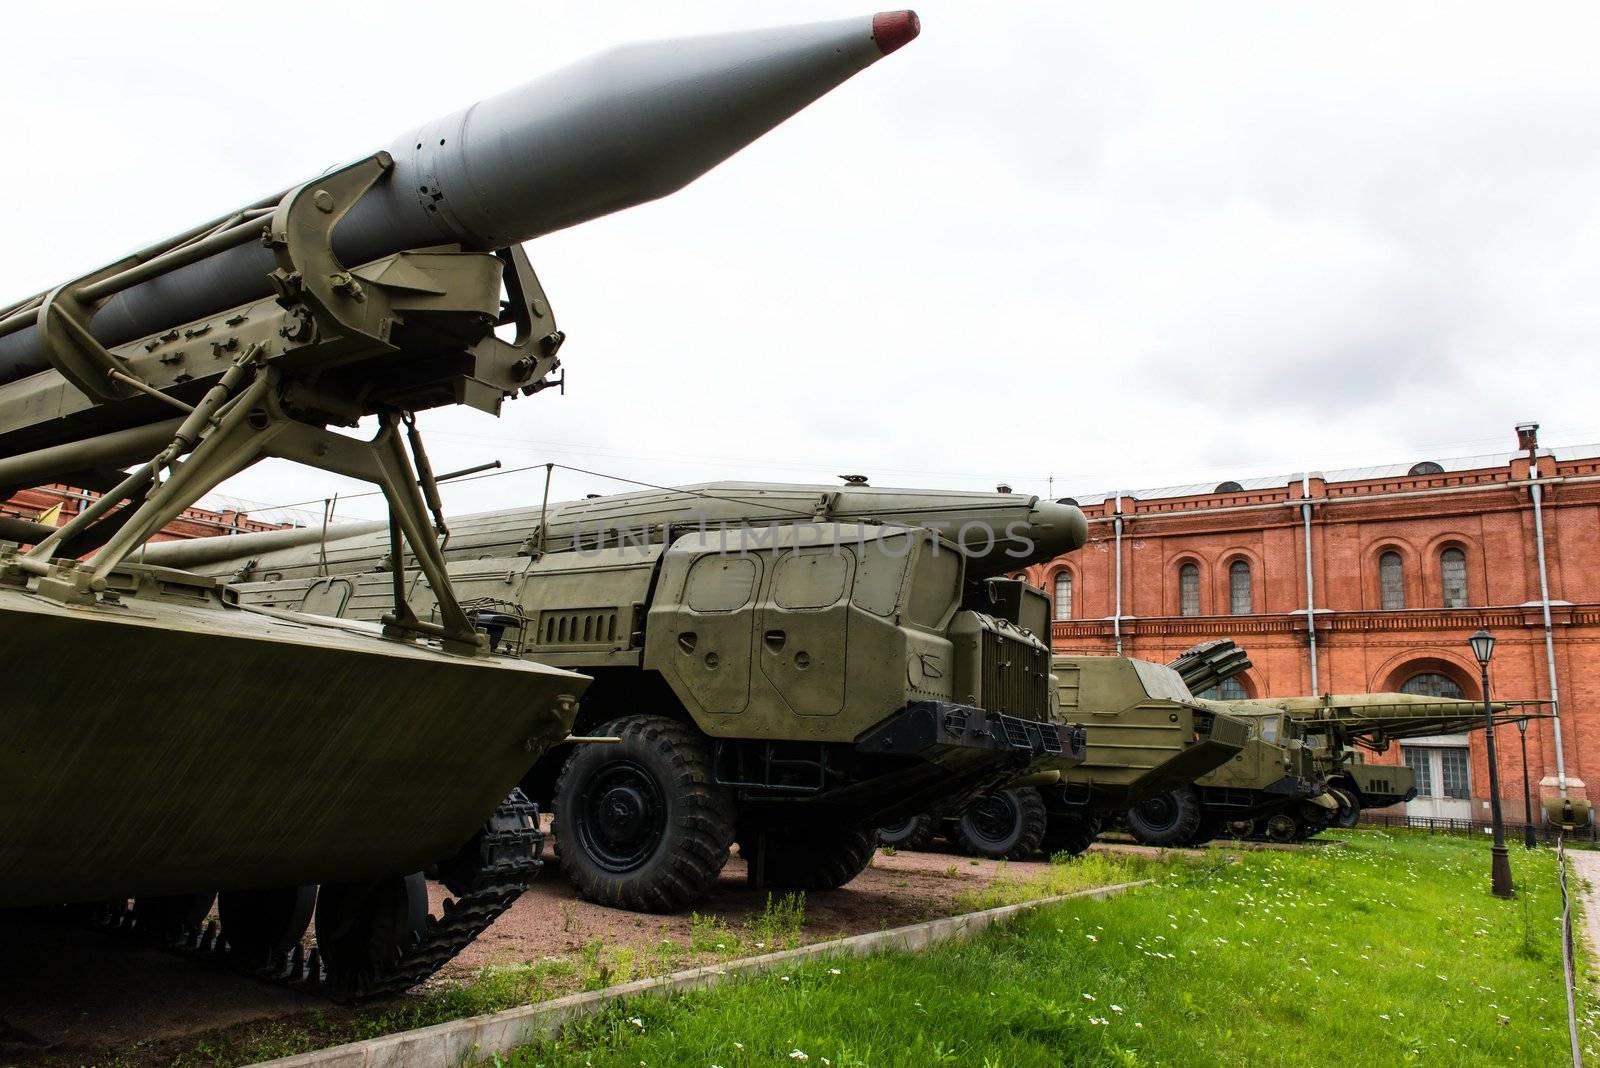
(803, 635)
(704, 638)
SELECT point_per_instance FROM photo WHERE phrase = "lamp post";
(1500, 878)
(1528, 840)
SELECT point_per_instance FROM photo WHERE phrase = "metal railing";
(1548, 833)
(1569, 980)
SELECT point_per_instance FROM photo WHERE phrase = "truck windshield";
(1269, 729)
(935, 584)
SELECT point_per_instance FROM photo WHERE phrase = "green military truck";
(786, 687)
(1269, 784)
(1144, 732)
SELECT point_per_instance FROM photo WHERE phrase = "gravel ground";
(67, 991)
(551, 920)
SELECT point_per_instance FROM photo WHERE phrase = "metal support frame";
(247, 415)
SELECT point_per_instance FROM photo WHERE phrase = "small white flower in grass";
(798, 1055)
(721, 946)
(1383, 1016)
(636, 1022)
(1088, 997)
(1137, 1024)
(738, 1045)
(833, 971)
(761, 945)
(786, 978)
(1091, 938)
(1116, 1008)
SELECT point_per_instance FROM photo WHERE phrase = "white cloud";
(1115, 245)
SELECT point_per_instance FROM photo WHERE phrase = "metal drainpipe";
(1544, 607)
(1311, 588)
(1116, 618)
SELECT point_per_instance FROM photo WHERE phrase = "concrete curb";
(477, 1037)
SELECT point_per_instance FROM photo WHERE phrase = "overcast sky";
(1112, 246)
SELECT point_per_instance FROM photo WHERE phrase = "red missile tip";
(895, 29)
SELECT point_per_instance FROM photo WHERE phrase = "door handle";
(775, 640)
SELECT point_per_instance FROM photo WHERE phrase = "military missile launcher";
(1330, 728)
(1274, 778)
(784, 674)
(1144, 733)
(299, 765)
(1211, 663)
(1341, 725)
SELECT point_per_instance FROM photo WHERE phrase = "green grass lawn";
(1389, 951)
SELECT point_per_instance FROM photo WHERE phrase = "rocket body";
(624, 127)
(1000, 532)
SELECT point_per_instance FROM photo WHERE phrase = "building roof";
(1347, 474)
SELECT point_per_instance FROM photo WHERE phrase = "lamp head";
(1482, 646)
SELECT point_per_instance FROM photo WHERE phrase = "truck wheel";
(1006, 825)
(913, 834)
(641, 824)
(1167, 819)
(805, 858)
(1349, 809)
(1069, 834)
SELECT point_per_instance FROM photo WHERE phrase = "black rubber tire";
(913, 834)
(362, 928)
(1069, 834)
(1168, 819)
(806, 858)
(1349, 809)
(1007, 825)
(641, 824)
(258, 925)
(165, 920)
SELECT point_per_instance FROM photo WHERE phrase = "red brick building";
(1398, 566)
(193, 523)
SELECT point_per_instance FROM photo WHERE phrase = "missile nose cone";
(1058, 528)
(895, 29)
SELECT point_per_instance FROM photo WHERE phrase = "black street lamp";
(1500, 878)
(1528, 840)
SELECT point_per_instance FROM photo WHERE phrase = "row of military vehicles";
(303, 727)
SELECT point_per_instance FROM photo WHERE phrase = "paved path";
(1585, 864)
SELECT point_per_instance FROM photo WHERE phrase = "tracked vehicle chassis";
(486, 877)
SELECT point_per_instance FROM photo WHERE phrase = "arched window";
(1432, 684)
(1453, 570)
(1239, 588)
(1063, 595)
(1227, 690)
(1189, 590)
(1391, 582)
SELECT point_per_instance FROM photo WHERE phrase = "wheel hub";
(1159, 812)
(621, 810)
(993, 818)
(622, 816)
